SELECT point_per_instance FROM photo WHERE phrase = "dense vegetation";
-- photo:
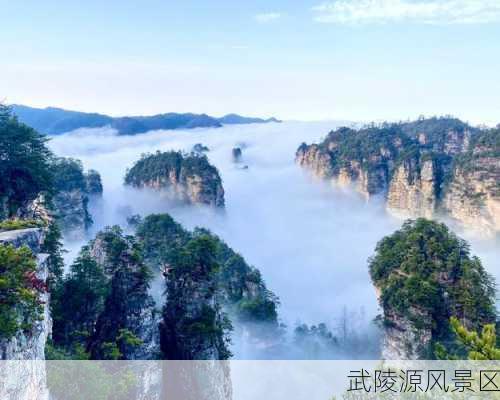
(427, 275)
(13, 224)
(158, 166)
(193, 325)
(436, 130)
(240, 286)
(482, 346)
(68, 174)
(99, 307)
(20, 288)
(380, 149)
(25, 169)
(29, 172)
(484, 145)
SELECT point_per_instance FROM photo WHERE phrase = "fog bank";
(311, 241)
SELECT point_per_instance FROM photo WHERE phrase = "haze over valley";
(310, 239)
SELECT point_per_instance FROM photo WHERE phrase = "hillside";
(55, 121)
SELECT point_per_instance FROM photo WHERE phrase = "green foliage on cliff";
(489, 139)
(78, 302)
(14, 224)
(68, 175)
(240, 285)
(72, 190)
(427, 275)
(435, 129)
(378, 149)
(193, 325)
(53, 246)
(160, 236)
(20, 305)
(24, 164)
(128, 298)
(158, 166)
(100, 305)
(364, 145)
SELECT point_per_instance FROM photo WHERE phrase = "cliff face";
(188, 178)
(473, 195)
(29, 345)
(423, 168)
(412, 189)
(19, 380)
(124, 270)
(402, 340)
(74, 189)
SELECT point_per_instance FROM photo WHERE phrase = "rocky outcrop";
(194, 326)
(240, 287)
(31, 345)
(27, 380)
(71, 209)
(424, 275)
(188, 178)
(236, 154)
(412, 189)
(142, 319)
(74, 189)
(473, 194)
(427, 168)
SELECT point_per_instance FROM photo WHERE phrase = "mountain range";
(55, 121)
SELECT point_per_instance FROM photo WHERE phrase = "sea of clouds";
(310, 240)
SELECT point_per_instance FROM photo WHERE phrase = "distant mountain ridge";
(55, 121)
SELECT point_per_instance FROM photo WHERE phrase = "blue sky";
(310, 60)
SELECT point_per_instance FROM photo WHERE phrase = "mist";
(309, 239)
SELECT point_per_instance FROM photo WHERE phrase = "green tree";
(478, 346)
(426, 274)
(20, 291)
(52, 245)
(24, 164)
(77, 302)
(127, 299)
(193, 326)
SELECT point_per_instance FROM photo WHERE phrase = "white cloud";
(436, 12)
(267, 17)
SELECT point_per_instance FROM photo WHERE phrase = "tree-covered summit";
(425, 275)
(240, 286)
(190, 177)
